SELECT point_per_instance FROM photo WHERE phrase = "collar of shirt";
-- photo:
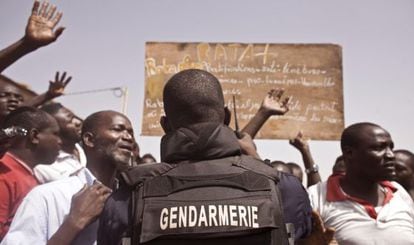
(82, 156)
(64, 155)
(19, 161)
(85, 175)
(336, 194)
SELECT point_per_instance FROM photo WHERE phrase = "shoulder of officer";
(140, 173)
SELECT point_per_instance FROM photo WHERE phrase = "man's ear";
(347, 152)
(227, 116)
(165, 124)
(33, 136)
(88, 139)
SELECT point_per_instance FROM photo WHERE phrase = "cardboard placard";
(310, 73)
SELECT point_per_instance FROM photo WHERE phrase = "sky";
(103, 46)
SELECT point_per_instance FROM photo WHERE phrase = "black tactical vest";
(233, 200)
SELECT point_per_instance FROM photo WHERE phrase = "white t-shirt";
(65, 165)
(358, 222)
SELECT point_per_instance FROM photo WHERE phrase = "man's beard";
(119, 159)
(122, 161)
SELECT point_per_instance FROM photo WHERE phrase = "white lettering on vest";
(164, 219)
(173, 216)
(192, 216)
(182, 217)
(254, 218)
(242, 215)
(223, 215)
(212, 210)
(202, 218)
(233, 215)
(209, 216)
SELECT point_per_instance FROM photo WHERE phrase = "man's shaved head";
(352, 134)
(193, 96)
(92, 122)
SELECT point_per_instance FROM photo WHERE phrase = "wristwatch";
(313, 169)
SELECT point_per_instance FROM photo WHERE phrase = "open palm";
(274, 104)
(40, 27)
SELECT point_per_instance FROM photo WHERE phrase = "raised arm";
(272, 104)
(56, 89)
(247, 146)
(39, 32)
(86, 206)
(311, 168)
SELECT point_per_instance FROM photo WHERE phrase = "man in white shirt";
(71, 158)
(360, 204)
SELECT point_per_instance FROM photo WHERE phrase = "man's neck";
(362, 188)
(24, 155)
(103, 171)
(69, 147)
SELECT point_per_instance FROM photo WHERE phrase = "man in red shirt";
(40, 145)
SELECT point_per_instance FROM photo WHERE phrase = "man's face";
(49, 143)
(10, 99)
(114, 140)
(70, 125)
(404, 172)
(372, 157)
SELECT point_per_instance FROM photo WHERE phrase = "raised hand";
(57, 87)
(39, 32)
(273, 103)
(299, 142)
(40, 27)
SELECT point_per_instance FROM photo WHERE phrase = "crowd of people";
(64, 180)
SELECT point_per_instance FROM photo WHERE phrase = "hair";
(91, 123)
(351, 135)
(293, 165)
(150, 156)
(193, 96)
(409, 154)
(52, 108)
(276, 162)
(27, 117)
(280, 166)
(296, 170)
